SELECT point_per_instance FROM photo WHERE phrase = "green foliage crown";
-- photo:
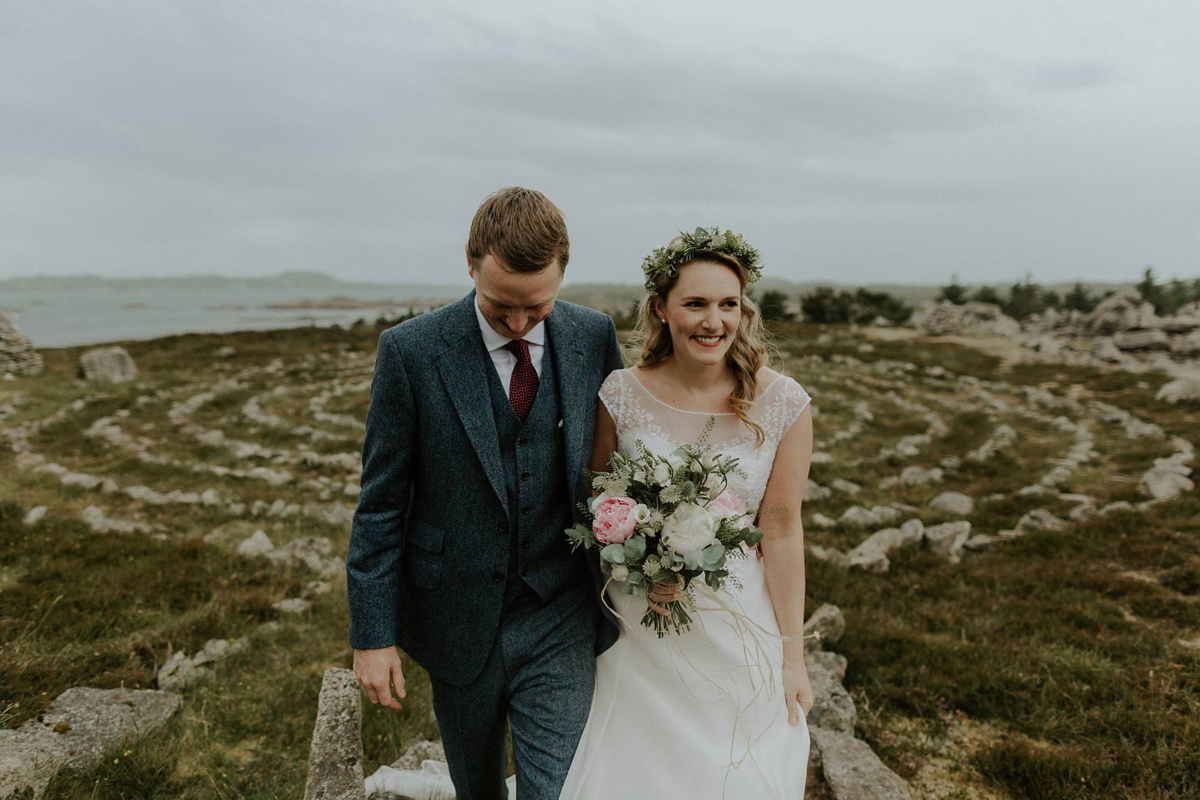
(665, 262)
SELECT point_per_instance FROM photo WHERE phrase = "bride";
(718, 711)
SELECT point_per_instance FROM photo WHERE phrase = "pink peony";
(615, 520)
(728, 505)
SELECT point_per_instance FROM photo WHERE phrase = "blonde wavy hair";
(749, 352)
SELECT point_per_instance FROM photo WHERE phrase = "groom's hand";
(378, 671)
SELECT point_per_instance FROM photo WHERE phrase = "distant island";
(338, 302)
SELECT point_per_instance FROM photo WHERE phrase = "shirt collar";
(494, 341)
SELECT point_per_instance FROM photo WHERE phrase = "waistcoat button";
(497, 577)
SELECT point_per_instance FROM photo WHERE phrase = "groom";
(478, 435)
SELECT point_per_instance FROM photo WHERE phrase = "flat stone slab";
(852, 769)
(79, 728)
(833, 707)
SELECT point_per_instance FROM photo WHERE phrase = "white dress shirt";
(504, 360)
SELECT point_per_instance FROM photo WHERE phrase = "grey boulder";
(108, 365)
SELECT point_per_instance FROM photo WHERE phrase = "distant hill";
(316, 281)
(609, 297)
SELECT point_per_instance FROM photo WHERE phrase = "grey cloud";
(358, 138)
(1071, 76)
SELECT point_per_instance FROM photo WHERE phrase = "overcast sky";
(850, 141)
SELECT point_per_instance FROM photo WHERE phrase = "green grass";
(1061, 650)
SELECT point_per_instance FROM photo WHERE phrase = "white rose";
(620, 572)
(662, 474)
(641, 513)
(691, 527)
(675, 461)
(707, 461)
(639, 476)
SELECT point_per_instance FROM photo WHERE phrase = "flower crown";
(666, 261)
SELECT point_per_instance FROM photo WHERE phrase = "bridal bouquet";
(669, 521)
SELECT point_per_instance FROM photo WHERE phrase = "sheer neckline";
(650, 394)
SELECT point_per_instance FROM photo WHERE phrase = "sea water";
(64, 318)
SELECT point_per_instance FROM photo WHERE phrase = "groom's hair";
(521, 229)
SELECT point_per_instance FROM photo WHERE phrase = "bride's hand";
(664, 592)
(797, 691)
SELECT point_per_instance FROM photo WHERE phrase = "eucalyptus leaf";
(692, 559)
(614, 554)
(635, 548)
(713, 555)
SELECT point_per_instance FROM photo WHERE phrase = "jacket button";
(524, 476)
(525, 510)
(523, 441)
(503, 527)
(497, 577)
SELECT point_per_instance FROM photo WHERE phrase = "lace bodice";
(663, 428)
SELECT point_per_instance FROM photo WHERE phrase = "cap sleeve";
(615, 395)
(785, 408)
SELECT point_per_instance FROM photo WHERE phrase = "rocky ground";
(1012, 547)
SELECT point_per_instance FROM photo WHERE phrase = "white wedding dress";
(699, 715)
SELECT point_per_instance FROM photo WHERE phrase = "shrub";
(954, 292)
(774, 307)
(824, 305)
(986, 294)
(1079, 299)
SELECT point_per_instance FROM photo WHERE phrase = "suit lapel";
(462, 366)
(567, 351)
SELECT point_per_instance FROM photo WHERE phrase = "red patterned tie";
(523, 388)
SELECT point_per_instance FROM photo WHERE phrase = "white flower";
(662, 474)
(597, 500)
(641, 513)
(675, 461)
(639, 476)
(620, 572)
(707, 462)
(691, 527)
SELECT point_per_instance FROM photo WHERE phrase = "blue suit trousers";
(539, 677)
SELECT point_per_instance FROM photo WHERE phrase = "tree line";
(1026, 297)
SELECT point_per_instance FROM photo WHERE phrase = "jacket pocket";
(422, 572)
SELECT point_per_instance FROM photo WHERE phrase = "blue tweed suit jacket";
(424, 545)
